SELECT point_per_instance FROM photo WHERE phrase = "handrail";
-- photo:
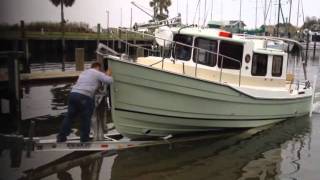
(174, 43)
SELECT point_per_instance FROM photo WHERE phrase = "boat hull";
(151, 102)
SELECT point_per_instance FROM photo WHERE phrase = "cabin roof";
(209, 33)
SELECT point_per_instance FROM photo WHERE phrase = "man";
(81, 101)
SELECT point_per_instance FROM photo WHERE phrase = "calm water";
(288, 150)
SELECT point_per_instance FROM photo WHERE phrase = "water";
(288, 150)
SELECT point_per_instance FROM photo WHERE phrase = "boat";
(204, 79)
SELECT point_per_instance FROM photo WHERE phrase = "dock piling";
(14, 90)
(79, 58)
(29, 143)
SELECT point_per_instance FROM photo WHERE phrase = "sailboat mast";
(278, 24)
(240, 16)
(290, 1)
(298, 13)
(265, 13)
(211, 9)
(256, 21)
(187, 14)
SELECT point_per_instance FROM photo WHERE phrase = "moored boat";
(206, 79)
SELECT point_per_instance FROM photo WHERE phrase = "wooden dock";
(45, 77)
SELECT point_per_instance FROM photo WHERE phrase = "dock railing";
(169, 52)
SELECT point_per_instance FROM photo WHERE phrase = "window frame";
(219, 60)
(273, 64)
(189, 55)
(213, 54)
(266, 64)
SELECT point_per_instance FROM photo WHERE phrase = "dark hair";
(95, 65)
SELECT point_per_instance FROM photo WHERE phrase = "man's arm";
(105, 77)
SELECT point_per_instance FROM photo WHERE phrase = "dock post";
(307, 48)
(14, 91)
(98, 33)
(79, 55)
(63, 47)
(25, 47)
(314, 50)
(29, 144)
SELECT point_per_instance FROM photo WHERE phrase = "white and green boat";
(207, 79)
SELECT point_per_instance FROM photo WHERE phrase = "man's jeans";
(78, 105)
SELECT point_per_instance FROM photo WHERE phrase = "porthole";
(247, 58)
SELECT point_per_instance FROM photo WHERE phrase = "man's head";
(96, 65)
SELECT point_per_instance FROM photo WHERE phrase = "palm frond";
(55, 2)
(68, 3)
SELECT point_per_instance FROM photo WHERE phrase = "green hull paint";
(151, 102)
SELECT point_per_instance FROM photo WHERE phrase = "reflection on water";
(44, 100)
(228, 158)
(279, 151)
(46, 106)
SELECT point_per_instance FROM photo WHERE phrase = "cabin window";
(230, 50)
(277, 66)
(182, 52)
(259, 64)
(202, 56)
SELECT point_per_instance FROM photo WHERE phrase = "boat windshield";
(182, 52)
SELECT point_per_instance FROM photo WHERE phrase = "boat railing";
(165, 50)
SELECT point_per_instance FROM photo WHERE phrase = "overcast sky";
(94, 11)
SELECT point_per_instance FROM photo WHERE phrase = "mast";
(290, 1)
(298, 13)
(265, 14)
(187, 12)
(199, 13)
(278, 24)
(205, 12)
(256, 21)
(221, 10)
(240, 16)
(211, 9)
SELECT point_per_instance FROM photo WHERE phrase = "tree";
(62, 3)
(311, 23)
(158, 7)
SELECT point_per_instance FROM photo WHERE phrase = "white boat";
(206, 79)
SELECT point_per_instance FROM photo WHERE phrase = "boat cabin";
(219, 56)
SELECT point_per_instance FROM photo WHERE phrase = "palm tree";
(158, 7)
(62, 3)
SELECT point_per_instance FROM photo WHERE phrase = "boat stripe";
(161, 115)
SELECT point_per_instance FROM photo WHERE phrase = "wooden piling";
(25, 47)
(314, 50)
(79, 55)
(307, 48)
(98, 33)
(14, 90)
